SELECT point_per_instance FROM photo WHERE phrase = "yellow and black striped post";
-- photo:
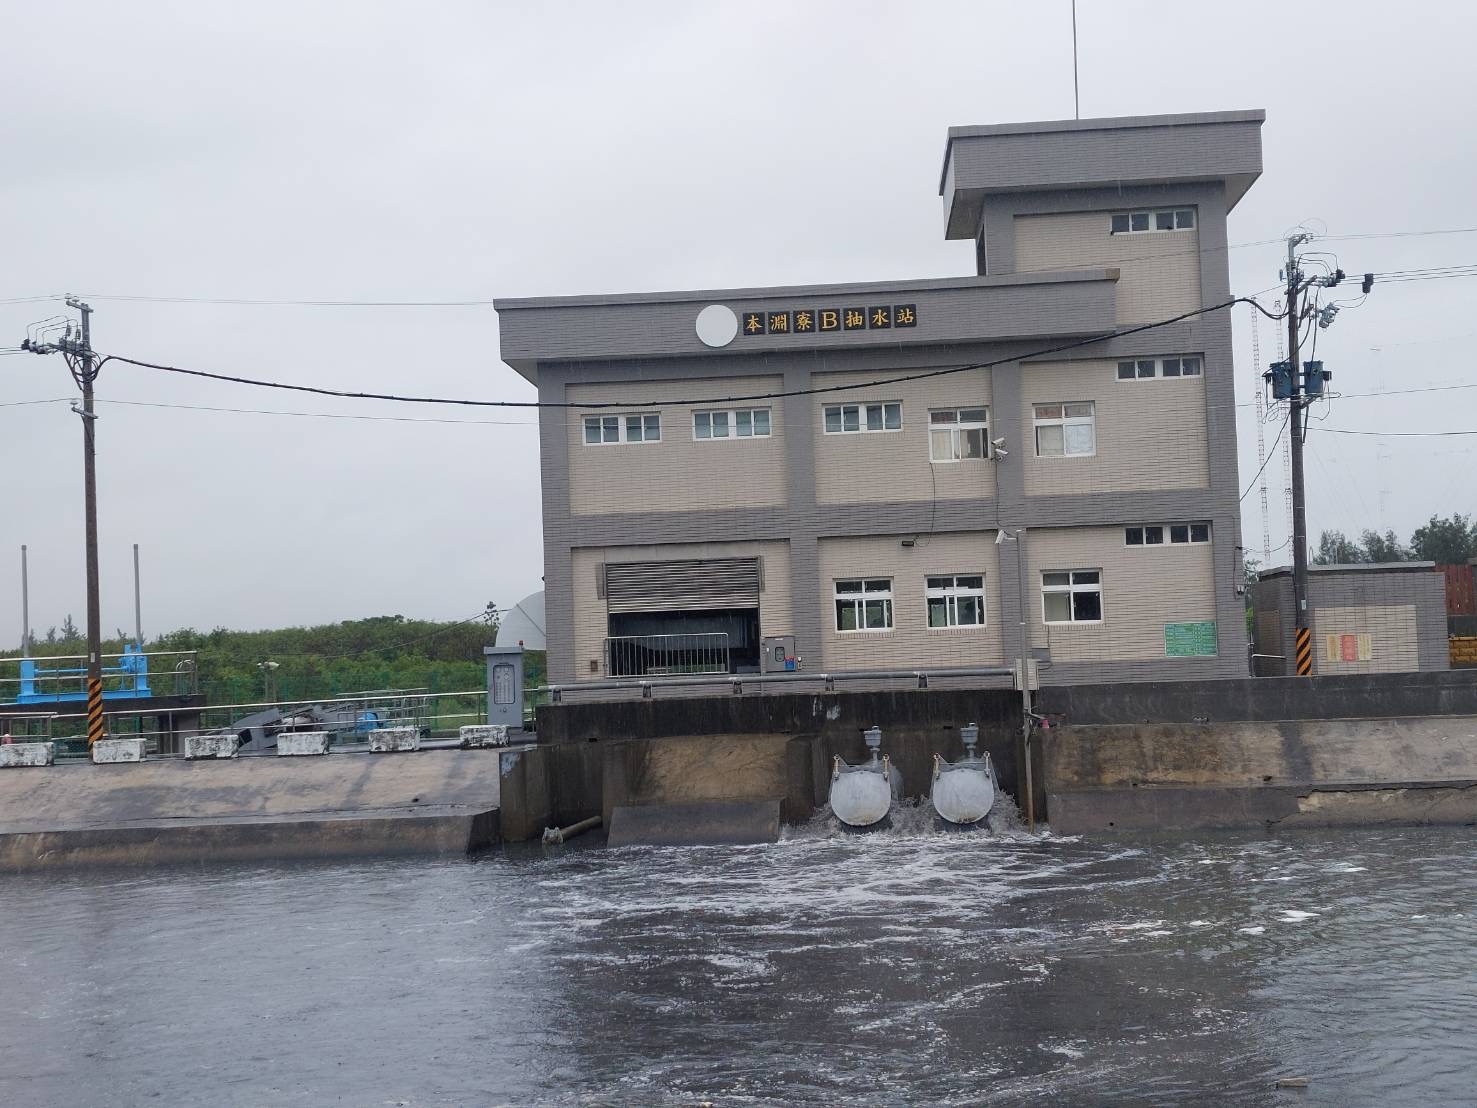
(94, 711)
(1304, 652)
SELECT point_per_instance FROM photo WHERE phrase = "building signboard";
(1190, 640)
(805, 321)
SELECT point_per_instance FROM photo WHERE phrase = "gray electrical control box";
(778, 655)
(505, 685)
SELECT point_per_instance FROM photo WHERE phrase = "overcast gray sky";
(456, 151)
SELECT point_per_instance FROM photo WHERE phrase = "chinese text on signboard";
(805, 321)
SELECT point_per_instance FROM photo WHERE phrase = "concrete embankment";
(1327, 772)
(248, 809)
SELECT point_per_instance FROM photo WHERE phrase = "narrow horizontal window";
(636, 427)
(741, 423)
(1138, 223)
(1171, 534)
(845, 419)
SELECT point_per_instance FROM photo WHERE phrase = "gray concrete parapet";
(210, 746)
(17, 755)
(293, 743)
(112, 751)
(484, 735)
(394, 740)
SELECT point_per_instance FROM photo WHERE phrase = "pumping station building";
(920, 475)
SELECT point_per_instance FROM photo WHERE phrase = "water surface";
(903, 967)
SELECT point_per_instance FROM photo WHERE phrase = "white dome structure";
(523, 623)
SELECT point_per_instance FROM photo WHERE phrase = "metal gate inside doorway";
(682, 617)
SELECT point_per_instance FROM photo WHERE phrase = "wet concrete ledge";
(253, 839)
(249, 809)
(1307, 773)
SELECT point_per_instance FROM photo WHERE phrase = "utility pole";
(1303, 639)
(76, 347)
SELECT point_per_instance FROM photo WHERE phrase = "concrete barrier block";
(302, 742)
(109, 751)
(708, 823)
(210, 746)
(485, 734)
(389, 740)
(16, 755)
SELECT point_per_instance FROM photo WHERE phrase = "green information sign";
(1189, 640)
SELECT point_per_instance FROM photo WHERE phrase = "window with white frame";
(1140, 369)
(603, 430)
(851, 419)
(739, 423)
(1178, 534)
(956, 600)
(1142, 223)
(1065, 430)
(864, 604)
(1072, 596)
(955, 434)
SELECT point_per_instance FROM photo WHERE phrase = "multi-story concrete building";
(890, 472)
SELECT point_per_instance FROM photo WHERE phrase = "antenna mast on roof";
(1076, 100)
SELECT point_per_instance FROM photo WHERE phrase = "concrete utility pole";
(1303, 640)
(76, 348)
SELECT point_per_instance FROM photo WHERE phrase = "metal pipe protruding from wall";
(557, 835)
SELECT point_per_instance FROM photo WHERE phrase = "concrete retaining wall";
(248, 808)
(1373, 696)
(1299, 772)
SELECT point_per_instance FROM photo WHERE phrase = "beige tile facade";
(1143, 588)
(1151, 433)
(892, 466)
(590, 623)
(1384, 639)
(679, 473)
(1160, 270)
(911, 642)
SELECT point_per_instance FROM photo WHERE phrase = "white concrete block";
(485, 734)
(210, 746)
(302, 742)
(108, 751)
(388, 740)
(16, 755)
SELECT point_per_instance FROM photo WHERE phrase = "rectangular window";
(744, 423)
(1065, 430)
(1178, 534)
(956, 601)
(1140, 369)
(637, 427)
(1138, 223)
(1072, 596)
(956, 434)
(846, 419)
(864, 604)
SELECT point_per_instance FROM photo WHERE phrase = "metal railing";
(347, 719)
(667, 655)
(737, 684)
(45, 678)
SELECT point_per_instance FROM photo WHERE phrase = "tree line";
(1451, 541)
(309, 663)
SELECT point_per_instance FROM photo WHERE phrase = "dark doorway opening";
(655, 644)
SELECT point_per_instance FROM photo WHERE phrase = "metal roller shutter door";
(703, 585)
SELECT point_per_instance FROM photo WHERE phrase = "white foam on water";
(1201, 923)
(1296, 915)
(1250, 930)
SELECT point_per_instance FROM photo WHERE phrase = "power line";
(313, 415)
(1396, 434)
(648, 403)
(1270, 455)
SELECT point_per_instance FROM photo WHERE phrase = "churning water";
(902, 967)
